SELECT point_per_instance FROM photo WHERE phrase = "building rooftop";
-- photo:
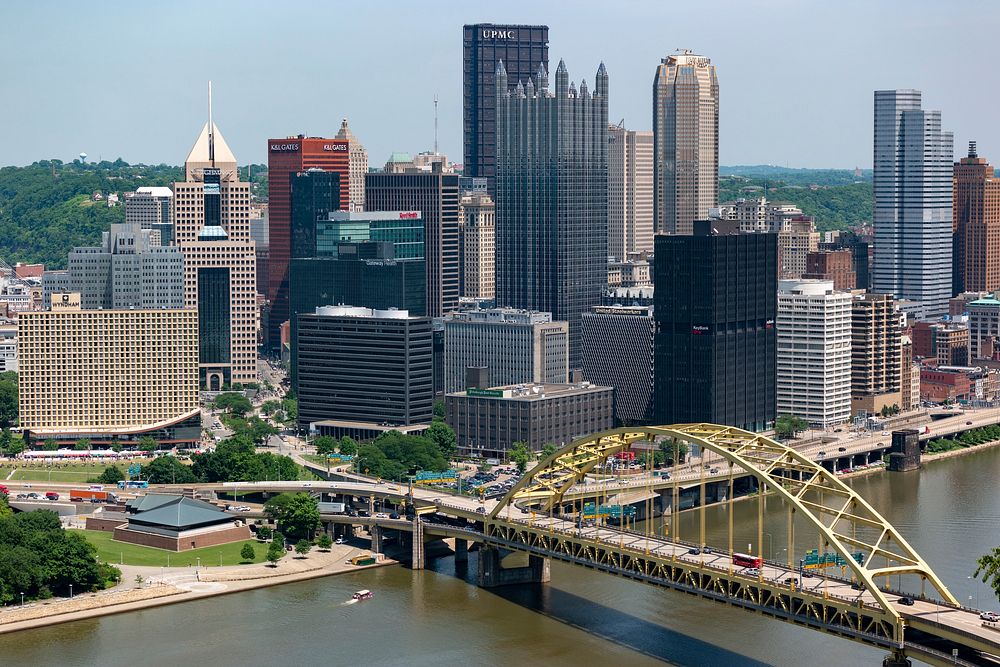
(199, 152)
(174, 511)
(358, 311)
(532, 392)
(155, 191)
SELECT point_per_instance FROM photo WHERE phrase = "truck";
(81, 495)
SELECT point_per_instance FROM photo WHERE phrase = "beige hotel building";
(108, 375)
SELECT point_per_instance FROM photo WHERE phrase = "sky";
(129, 79)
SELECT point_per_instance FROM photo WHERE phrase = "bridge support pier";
(492, 572)
(461, 550)
(376, 533)
(896, 659)
(418, 553)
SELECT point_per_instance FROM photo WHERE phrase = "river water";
(949, 511)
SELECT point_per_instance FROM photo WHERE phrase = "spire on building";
(601, 82)
(583, 89)
(208, 149)
(501, 79)
(543, 77)
(562, 80)
(345, 132)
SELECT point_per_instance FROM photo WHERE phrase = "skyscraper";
(126, 271)
(977, 224)
(618, 352)
(523, 49)
(478, 245)
(685, 141)
(551, 196)
(212, 228)
(814, 352)
(357, 158)
(149, 207)
(630, 192)
(285, 158)
(715, 342)
(435, 196)
(913, 191)
(875, 353)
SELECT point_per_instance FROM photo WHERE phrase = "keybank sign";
(499, 34)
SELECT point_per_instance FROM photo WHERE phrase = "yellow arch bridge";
(549, 514)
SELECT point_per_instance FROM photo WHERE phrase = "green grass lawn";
(132, 554)
(38, 475)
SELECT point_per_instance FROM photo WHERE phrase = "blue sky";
(128, 79)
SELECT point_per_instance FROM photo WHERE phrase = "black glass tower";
(715, 343)
(314, 194)
(213, 321)
(523, 49)
(552, 196)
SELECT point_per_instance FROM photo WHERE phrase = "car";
(841, 449)
(856, 586)
(968, 423)
(885, 433)
(34, 496)
(789, 581)
(706, 550)
(52, 495)
(990, 616)
(339, 540)
(20, 496)
(364, 513)
(905, 601)
(394, 515)
(714, 471)
(381, 515)
(808, 574)
(821, 454)
(838, 430)
(694, 550)
(242, 508)
(480, 510)
(752, 572)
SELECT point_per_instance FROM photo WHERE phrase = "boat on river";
(364, 594)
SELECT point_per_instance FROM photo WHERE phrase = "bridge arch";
(831, 506)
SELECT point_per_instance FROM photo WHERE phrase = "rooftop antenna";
(435, 123)
(211, 128)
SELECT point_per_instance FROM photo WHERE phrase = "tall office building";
(875, 353)
(212, 227)
(715, 296)
(149, 207)
(285, 158)
(360, 367)
(478, 235)
(976, 224)
(796, 239)
(630, 192)
(128, 270)
(618, 352)
(435, 196)
(835, 265)
(814, 352)
(523, 49)
(515, 346)
(314, 195)
(984, 327)
(685, 141)
(913, 212)
(112, 376)
(357, 167)
(552, 196)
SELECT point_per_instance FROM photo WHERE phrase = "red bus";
(744, 560)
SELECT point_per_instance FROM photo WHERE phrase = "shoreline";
(200, 589)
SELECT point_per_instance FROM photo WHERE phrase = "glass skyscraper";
(685, 141)
(523, 49)
(552, 196)
(913, 196)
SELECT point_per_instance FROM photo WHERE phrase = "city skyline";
(817, 114)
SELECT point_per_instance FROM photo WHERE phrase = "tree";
(247, 553)
(325, 445)
(8, 399)
(147, 443)
(324, 542)
(673, 449)
(348, 446)
(168, 470)
(291, 408)
(275, 552)
(443, 436)
(520, 455)
(82, 445)
(439, 409)
(264, 532)
(303, 547)
(111, 475)
(786, 426)
(50, 445)
(233, 402)
(297, 514)
(548, 450)
(988, 570)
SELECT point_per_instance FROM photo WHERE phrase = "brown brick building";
(835, 265)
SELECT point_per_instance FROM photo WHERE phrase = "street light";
(71, 591)
(22, 598)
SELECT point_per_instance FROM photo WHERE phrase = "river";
(949, 511)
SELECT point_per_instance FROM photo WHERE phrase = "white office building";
(814, 352)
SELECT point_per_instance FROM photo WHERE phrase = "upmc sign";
(499, 34)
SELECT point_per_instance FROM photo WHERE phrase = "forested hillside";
(46, 207)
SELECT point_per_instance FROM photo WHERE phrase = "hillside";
(45, 208)
(836, 197)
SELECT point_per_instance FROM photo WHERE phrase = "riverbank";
(163, 586)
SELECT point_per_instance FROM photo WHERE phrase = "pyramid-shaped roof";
(199, 152)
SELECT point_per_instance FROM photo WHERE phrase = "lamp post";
(71, 591)
(22, 598)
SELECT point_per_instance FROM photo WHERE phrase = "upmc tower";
(522, 48)
(285, 158)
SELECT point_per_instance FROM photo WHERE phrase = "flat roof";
(371, 426)
(532, 392)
